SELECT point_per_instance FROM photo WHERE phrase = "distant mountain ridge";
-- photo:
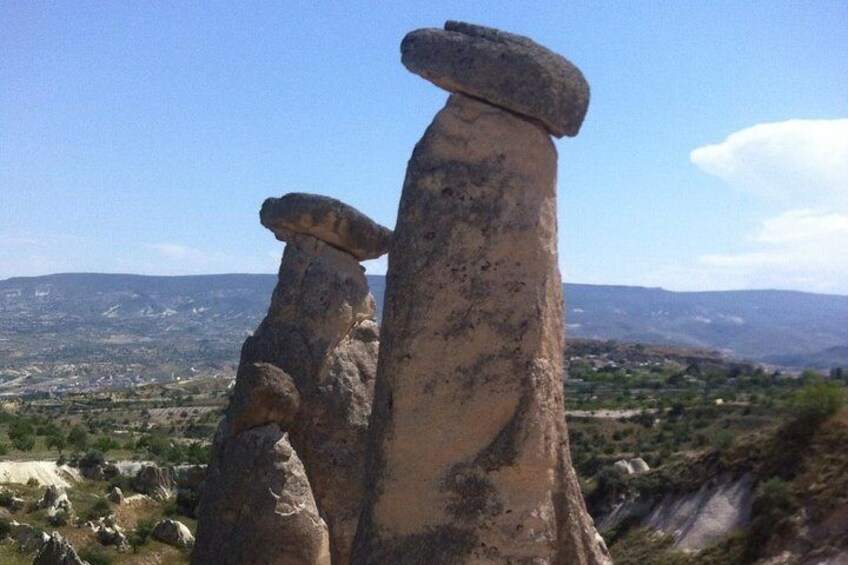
(781, 327)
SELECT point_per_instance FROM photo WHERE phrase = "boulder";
(113, 536)
(468, 454)
(505, 70)
(16, 503)
(327, 219)
(154, 481)
(27, 537)
(57, 551)
(115, 495)
(189, 477)
(639, 465)
(623, 466)
(256, 506)
(263, 394)
(55, 500)
(173, 532)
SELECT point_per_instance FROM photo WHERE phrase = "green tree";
(57, 441)
(106, 444)
(78, 438)
(23, 442)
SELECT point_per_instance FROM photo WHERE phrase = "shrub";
(99, 509)
(5, 528)
(106, 443)
(773, 501)
(23, 442)
(817, 402)
(33, 482)
(140, 534)
(59, 519)
(78, 438)
(96, 555)
(4, 448)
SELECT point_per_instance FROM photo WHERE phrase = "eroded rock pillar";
(468, 452)
(321, 335)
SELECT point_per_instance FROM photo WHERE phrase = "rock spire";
(288, 457)
(468, 452)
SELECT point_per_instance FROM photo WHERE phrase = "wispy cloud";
(802, 164)
(179, 252)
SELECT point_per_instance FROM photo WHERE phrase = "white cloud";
(796, 250)
(802, 164)
(798, 162)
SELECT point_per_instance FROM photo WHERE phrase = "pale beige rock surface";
(320, 330)
(468, 455)
(257, 506)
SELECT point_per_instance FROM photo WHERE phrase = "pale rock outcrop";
(57, 551)
(306, 377)
(256, 505)
(173, 532)
(116, 495)
(639, 465)
(468, 455)
(111, 535)
(156, 482)
(55, 500)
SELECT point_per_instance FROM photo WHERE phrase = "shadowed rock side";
(321, 337)
(468, 454)
(257, 505)
(321, 330)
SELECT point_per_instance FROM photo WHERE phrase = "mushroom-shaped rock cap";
(327, 219)
(506, 70)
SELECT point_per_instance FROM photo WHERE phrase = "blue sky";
(143, 138)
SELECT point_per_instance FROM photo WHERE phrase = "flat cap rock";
(503, 69)
(327, 219)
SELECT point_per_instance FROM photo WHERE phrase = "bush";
(5, 528)
(99, 509)
(773, 501)
(96, 555)
(23, 442)
(140, 534)
(4, 448)
(106, 444)
(817, 402)
(78, 438)
(59, 519)
(33, 482)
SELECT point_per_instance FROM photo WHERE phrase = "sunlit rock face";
(468, 452)
(306, 379)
